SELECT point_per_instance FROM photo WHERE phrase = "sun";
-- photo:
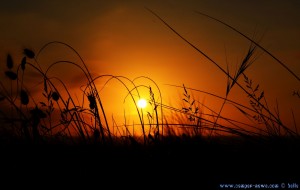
(142, 103)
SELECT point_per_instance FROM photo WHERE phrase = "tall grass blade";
(248, 38)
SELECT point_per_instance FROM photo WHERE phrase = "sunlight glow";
(142, 103)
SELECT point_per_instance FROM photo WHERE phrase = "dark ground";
(180, 164)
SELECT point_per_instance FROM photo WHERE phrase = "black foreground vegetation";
(53, 137)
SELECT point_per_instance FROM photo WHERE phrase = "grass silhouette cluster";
(29, 120)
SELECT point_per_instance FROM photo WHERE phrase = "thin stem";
(248, 38)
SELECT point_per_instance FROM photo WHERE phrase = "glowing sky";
(123, 38)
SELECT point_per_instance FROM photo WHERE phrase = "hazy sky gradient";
(123, 38)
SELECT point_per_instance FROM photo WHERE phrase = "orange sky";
(123, 38)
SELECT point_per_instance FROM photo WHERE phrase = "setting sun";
(142, 103)
(158, 88)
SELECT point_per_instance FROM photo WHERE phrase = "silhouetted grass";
(30, 123)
